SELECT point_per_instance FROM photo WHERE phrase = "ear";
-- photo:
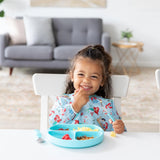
(71, 75)
(102, 83)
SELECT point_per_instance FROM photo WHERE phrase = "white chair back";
(52, 85)
(157, 75)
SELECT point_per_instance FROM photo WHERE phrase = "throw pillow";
(39, 31)
(16, 31)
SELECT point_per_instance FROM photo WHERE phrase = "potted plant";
(126, 34)
(2, 13)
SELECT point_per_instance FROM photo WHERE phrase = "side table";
(128, 52)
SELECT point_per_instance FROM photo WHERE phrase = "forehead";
(88, 65)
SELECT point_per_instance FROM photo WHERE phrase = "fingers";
(118, 122)
(118, 126)
(76, 91)
(80, 99)
(81, 91)
(119, 130)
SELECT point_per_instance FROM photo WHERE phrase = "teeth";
(85, 87)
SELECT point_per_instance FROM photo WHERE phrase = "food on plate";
(85, 129)
(84, 138)
(64, 129)
(113, 134)
(66, 137)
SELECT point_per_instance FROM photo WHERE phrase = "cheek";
(76, 81)
(98, 84)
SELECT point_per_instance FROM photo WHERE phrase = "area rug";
(20, 107)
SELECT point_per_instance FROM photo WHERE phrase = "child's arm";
(109, 119)
(118, 124)
(62, 111)
(81, 97)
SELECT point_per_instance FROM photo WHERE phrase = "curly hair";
(94, 52)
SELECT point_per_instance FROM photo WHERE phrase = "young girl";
(86, 99)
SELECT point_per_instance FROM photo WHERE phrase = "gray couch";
(71, 35)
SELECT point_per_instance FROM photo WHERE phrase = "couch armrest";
(4, 41)
(106, 41)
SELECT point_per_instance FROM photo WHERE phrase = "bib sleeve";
(62, 111)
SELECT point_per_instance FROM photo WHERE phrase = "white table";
(21, 145)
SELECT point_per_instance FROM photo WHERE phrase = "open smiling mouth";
(86, 87)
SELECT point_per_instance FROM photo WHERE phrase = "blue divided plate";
(55, 134)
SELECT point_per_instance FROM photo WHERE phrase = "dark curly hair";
(94, 52)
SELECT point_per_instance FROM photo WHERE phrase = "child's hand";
(81, 97)
(118, 126)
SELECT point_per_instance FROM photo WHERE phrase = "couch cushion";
(29, 52)
(39, 31)
(16, 31)
(66, 52)
(77, 31)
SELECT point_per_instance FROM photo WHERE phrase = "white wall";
(141, 16)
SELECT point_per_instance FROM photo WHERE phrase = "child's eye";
(80, 74)
(94, 77)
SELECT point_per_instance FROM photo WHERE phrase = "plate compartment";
(55, 134)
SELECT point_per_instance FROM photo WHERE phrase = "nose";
(86, 79)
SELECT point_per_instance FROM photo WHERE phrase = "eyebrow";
(92, 73)
(97, 74)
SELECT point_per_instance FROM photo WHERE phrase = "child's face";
(87, 75)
